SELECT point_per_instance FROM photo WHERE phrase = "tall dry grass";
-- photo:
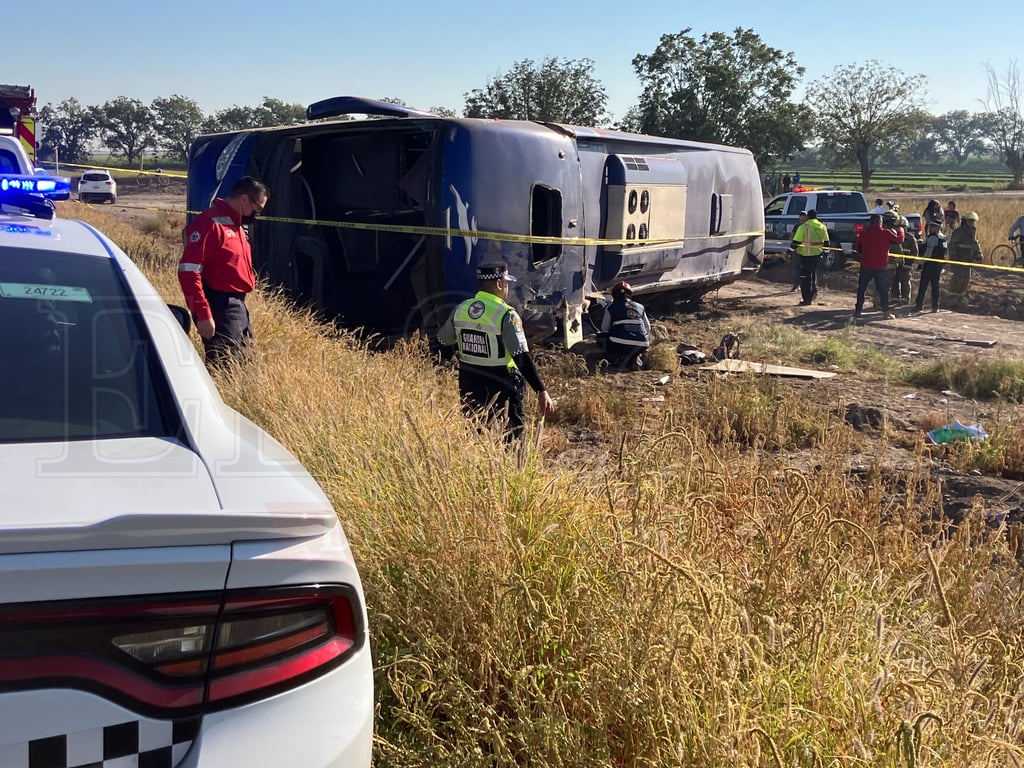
(995, 213)
(705, 596)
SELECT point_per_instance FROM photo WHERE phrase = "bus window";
(545, 221)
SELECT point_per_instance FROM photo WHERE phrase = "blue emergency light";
(15, 185)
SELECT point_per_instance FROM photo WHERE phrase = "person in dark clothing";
(215, 270)
(934, 248)
(932, 211)
(901, 268)
(494, 358)
(626, 328)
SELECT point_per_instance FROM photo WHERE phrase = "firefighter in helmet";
(963, 249)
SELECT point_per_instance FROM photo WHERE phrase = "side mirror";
(183, 316)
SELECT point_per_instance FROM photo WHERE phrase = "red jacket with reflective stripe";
(217, 256)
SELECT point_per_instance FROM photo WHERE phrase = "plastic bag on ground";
(957, 431)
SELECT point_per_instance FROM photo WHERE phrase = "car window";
(77, 361)
(95, 176)
(797, 203)
(8, 162)
(774, 208)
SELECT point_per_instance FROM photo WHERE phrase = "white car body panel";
(42, 576)
(84, 483)
(328, 722)
(14, 152)
(224, 507)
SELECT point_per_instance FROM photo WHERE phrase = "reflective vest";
(627, 325)
(478, 332)
(813, 238)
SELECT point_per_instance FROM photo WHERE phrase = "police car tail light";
(181, 654)
(268, 642)
(858, 230)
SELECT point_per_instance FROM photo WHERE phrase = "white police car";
(175, 590)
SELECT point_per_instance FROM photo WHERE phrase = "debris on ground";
(690, 355)
(729, 349)
(859, 417)
(987, 343)
(746, 366)
(957, 431)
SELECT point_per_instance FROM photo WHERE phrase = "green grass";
(973, 377)
(910, 181)
(789, 345)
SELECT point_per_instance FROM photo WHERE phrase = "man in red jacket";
(873, 247)
(216, 272)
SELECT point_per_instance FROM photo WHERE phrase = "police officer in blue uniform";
(494, 358)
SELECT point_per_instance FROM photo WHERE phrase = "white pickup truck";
(844, 213)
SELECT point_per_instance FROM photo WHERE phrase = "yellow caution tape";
(127, 172)
(972, 264)
(454, 232)
(540, 239)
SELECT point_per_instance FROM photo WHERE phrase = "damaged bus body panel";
(380, 223)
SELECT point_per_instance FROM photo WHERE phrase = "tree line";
(723, 88)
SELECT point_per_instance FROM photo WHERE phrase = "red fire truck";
(18, 115)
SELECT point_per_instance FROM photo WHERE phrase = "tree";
(730, 90)
(69, 129)
(127, 127)
(555, 92)
(863, 109)
(1004, 102)
(233, 118)
(276, 112)
(178, 121)
(925, 146)
(443, 112)
(961, 134)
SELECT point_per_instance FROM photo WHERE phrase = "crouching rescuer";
(494, 359)
(625, 329)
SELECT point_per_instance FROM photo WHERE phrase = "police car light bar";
(15, 185)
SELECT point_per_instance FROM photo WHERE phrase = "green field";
(911, 181)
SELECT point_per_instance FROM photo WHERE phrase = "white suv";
(97, 185)
(176, 589)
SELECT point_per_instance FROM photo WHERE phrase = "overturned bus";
(380, 223)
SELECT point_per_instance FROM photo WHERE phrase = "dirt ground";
(895, 413)
(991, 311)
(147, 197)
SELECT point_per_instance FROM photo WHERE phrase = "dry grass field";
(709, 572)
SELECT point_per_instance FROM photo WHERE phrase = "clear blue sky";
(225, 52)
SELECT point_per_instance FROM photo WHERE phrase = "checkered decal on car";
(134, 744)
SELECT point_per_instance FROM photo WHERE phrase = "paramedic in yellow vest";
(809, 241)
(494, 359)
